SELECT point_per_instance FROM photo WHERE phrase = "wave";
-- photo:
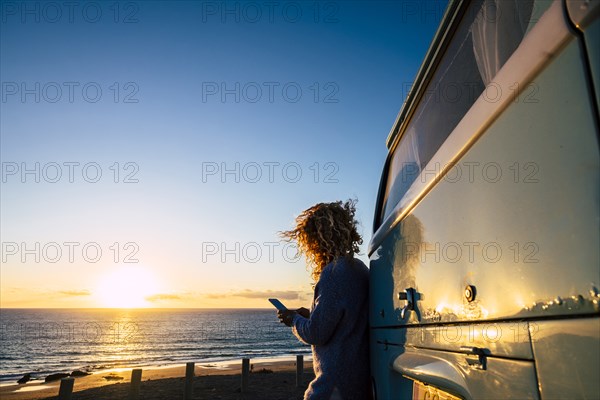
(131, 338)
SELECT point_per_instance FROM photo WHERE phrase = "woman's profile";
(336, 326)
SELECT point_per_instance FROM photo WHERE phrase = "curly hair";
(325, 232)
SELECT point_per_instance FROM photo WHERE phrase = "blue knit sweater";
(338, 332)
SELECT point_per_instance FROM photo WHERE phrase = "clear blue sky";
(351, 60)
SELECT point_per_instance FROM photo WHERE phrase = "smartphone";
(278, 305)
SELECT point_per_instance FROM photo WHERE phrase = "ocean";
(44, 341)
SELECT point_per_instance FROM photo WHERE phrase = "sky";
(152, 151)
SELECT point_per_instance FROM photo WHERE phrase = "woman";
(337, 325)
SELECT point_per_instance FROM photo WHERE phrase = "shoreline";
(38, 389)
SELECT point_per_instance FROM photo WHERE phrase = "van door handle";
(478, 362)
(472, 350)
(409, 295)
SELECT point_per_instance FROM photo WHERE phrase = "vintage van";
(485, 266)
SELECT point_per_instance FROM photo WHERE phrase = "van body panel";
(485, 275)
(400, 356)
(459, 375)
(499, 339)
(388, 384)
(522, 228)
(567, 358)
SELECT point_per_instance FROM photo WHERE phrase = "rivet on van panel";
(470, 293)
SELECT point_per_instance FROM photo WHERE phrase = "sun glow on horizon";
(127, 287)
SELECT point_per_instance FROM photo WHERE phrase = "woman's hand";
(304, 312)
(286, 316)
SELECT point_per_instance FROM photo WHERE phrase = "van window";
(488, 34)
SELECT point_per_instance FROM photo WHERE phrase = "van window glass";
(489, 32)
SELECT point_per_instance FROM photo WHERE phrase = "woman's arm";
(326, 314)
(305, 312)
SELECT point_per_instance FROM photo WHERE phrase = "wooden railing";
(67, 384)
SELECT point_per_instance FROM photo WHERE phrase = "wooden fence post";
(136, 378)
(245, 372)
(189, 381)
(299, 369)
(66, 388)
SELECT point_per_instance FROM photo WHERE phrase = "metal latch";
(410, 296)
(478, 362)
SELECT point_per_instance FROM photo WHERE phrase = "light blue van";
(485, 258)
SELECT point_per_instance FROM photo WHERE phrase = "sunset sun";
(126, 287)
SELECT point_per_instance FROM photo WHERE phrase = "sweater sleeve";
(324, 317)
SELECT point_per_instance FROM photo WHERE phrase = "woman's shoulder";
(343, 266)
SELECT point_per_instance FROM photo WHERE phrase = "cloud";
(75, 292)
(162, 296)
(261, 294)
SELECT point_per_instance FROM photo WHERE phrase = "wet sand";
(212, 381)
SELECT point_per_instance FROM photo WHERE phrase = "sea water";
(44, 341)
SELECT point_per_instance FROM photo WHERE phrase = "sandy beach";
(270, 379)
